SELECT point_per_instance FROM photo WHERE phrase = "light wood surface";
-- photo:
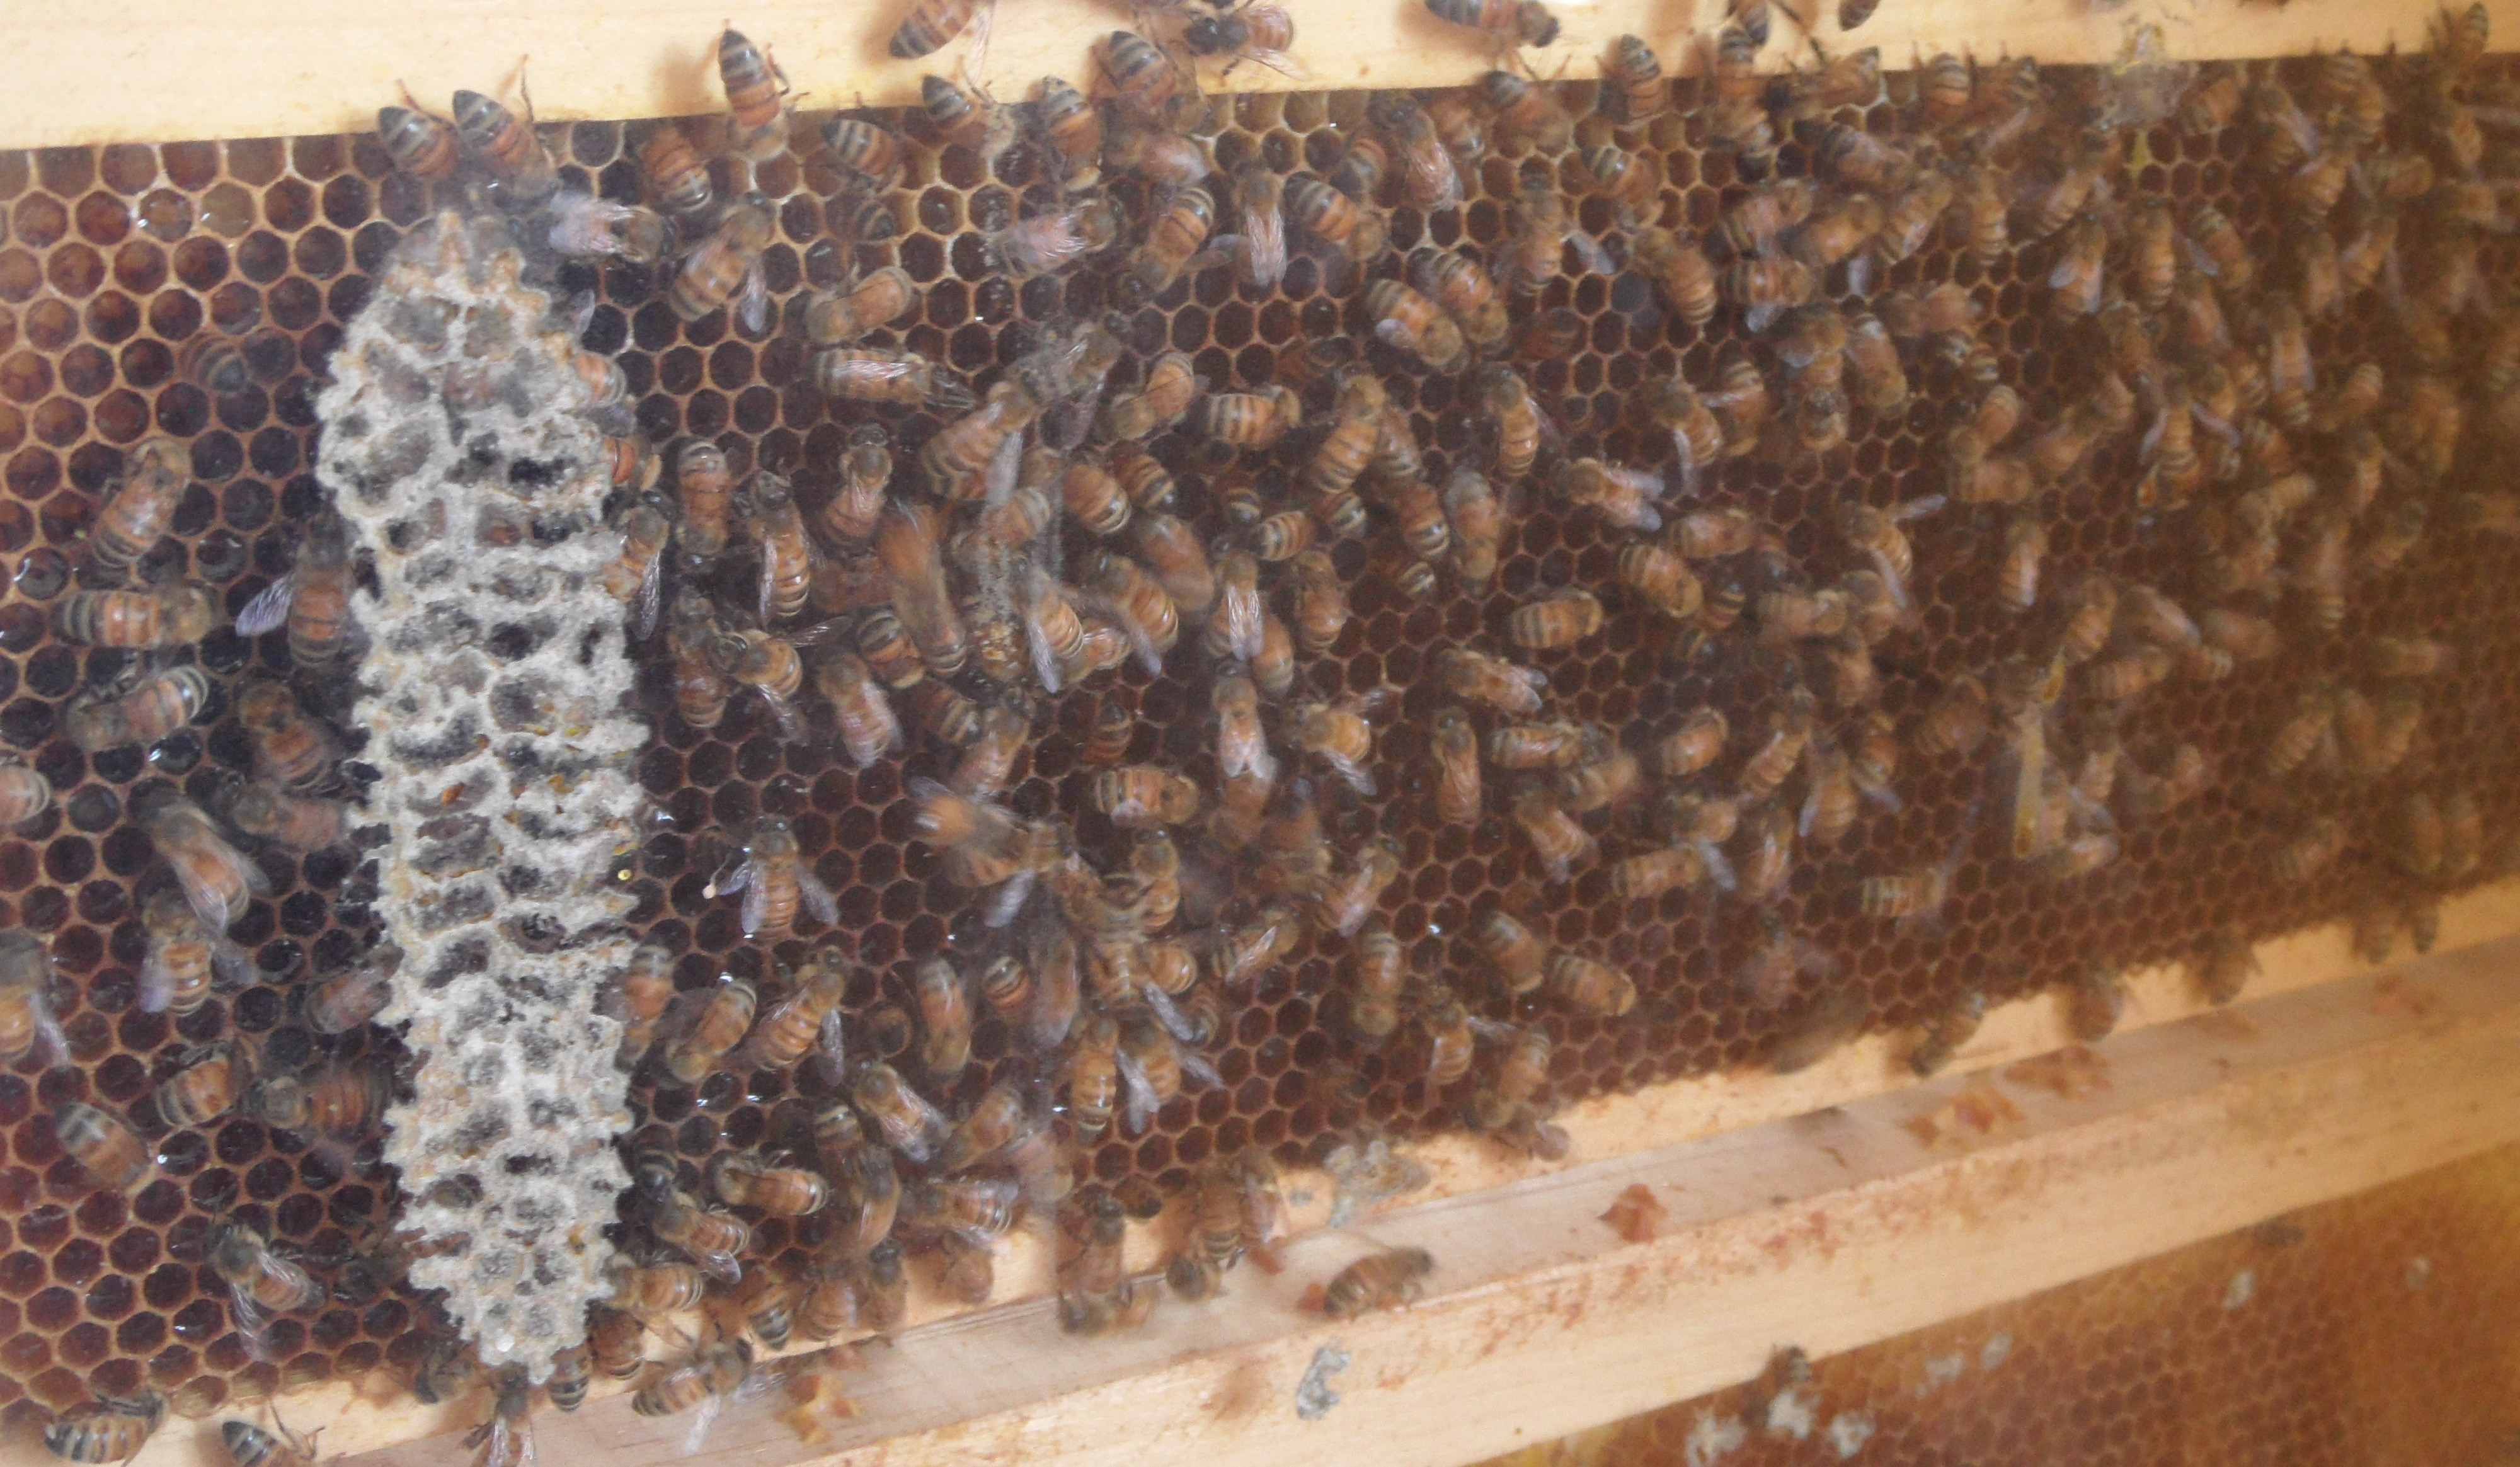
(1609, 1130)
(156, 71)
(1831, 1230)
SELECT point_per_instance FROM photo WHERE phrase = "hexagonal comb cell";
(195, 290)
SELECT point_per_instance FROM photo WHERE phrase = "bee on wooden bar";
(508, 146)
(115, 1432)
(1379, 1281)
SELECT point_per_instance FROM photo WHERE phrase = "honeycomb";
(119, 263)
(2376, 1329)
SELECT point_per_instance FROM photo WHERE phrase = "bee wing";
(1397, 334)
(1685, 455)
(269, 611)
(752, 302)
(208, 904)
(1859, 271)
(1169, 1014)
(1358, 777)
(704, 1417)
(1719, 866)
(1881, 794)
(1195, 1066)
(1143, 1103)
(998, 480)
(1009, 899)
(1758, 316)
(820, 632)
(1433, 178)
(791, 722)
(1589, 250)
(768, 583)
(651, 594)
(156, 984)
(756, 905)
(818, 899)
(724, 1267)
(830, 1047)
(249, 1317)
(1242, 627)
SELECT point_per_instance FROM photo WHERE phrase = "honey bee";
(137, 511)
(1348, 902)
(160, 617)
(1491, 681)
(420, 143)
(1560, 843)
(639, 998)
(1766, 288)
(1915, 897)
(2311, 851)
(106, 1147)
(968, 117)
(1560, 619)
(1645, 876)
(206, 1088)
(1072, 127)
(1478, 526)
(291, 750)
(216, 878)
(744, 1180)
(1356, 226)
(1096, 1294)
(508, 146)
(1957, 721)
(1150, 80)
(249, 1445)
(1634, 88)
(1141, 796)
(1912, 217)
(1696, 744)
(1382, 1280)
(945, 1011)
(350, 998)
(2148, 795)
(774, 881)
(115, 1433)
(905, 542)
(718, 1373)
(837, 317)
(341, 1101)
(905, 1119)
(259, 1281)
(680, 177)
(1161, 400)
(871, 374)
(1680, 272)
(726, 266)
(145, 711)
(930, 25)
(1321, 602)
(2226, 966)
(1411, 322)
(1625, 497)
(1250, 420)
(288, 820)
(1630, 181)
(23, 792)
(717, 1027)
(1172, 241)
(2407, 656)
(1946, 1032)
(1181, 567)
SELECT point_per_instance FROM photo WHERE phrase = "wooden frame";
(153, 71)
(2319, 1029)
(1833, 1229)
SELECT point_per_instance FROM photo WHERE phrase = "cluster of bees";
(940, 603)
